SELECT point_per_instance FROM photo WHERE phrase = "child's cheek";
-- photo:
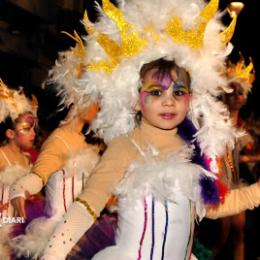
(187, 98)
(20, 137)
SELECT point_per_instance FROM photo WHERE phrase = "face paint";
(157, 82)
(143, 96)
(25, 124)
(180, 91)
(164, 80)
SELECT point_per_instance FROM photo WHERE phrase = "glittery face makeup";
(25, 124)
(164, 97)
(161, 83)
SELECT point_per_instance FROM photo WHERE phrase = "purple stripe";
(153, 235)
(144, 230)
(165, 229)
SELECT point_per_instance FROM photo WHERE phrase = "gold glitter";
(227, 34)
(89, 29)
(6, 93)
(79, 49)
(193, 37)
(131, 42)
(87, 206)
(240, 70)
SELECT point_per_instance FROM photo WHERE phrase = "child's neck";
(14, 147)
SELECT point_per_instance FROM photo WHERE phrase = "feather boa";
(12, 173)
(82, 161)
(159, 177)
(5, 252)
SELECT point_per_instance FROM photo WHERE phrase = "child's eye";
(156, 92)
(24, 130)
(178, 93)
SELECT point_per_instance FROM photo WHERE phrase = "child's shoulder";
(124, 140)
(120, 146)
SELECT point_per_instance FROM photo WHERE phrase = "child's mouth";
(167, 116)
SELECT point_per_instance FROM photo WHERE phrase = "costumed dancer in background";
(17, 125)
(240, 79)
(163, 168)
(158, 181)
(65, 158)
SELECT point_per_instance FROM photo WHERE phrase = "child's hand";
(3, 207)
(19, 207)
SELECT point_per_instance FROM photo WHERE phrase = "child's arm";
(236, 201)
(50, 160)
(2, 165)
(82, 213)
(72, 227)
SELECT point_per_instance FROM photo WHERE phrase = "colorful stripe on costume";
(144, 231)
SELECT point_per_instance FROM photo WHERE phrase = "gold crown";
(7, 94)
(79, 51)
(11, 97)
(241, 71)
(134, 41)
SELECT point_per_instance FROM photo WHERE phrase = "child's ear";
(10, 134)
(137, 106)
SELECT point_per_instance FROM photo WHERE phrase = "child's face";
(164, 101)
(236, 99)
(24, 132)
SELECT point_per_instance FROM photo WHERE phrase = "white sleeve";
(74, 224)
(30, 183)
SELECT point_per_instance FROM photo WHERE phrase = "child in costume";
(240, 79)
(65, 159)
(163, 169)
(17, 134)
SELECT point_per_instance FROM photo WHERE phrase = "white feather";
(12, 173)
(158, 177)
(83, 161)
(34, 242)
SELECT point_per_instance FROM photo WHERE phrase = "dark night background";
(30, 39)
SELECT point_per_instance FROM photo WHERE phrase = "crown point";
(235, 8)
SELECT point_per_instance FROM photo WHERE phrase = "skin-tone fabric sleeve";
(50, 159)
(82, 213)
(2, 162)
(236, 201)
(111, 169)
(69, 230)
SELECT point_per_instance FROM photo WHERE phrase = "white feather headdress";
(65, 75)
(13, 103)
(125, 38)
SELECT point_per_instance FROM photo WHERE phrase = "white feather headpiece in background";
(14, 102)
(65, 76)
(241, 73)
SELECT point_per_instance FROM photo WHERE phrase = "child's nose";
(169, 100)
(32, 132)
